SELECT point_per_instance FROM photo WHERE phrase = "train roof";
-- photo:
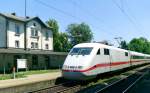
(99, 45)
(147, 55)
(136, 53)
(109, 47)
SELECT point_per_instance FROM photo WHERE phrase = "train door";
(97, 60)
(130, 58)
(116, 59)
(111, 58)
(108, 58)
(102, 61)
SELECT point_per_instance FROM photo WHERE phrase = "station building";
(27, 38)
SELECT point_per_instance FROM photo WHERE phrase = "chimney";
(13, 13)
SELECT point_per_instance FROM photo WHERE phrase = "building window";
(34, 45)
(46, 35)
(17, 44)
(17, 30)
(34, 32)
(34, 24)
(46, 46)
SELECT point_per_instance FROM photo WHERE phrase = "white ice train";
(87, 60)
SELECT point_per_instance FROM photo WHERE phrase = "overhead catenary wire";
(97, 19)
(128, 17)
(122, 4)
(58, 10)
(122, 10)
(93, 16)
(65, 13)
(133, 16)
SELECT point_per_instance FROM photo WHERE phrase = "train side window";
(126, 53)
(106, 51)
(98, 52)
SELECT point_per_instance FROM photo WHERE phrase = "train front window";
(81, 51)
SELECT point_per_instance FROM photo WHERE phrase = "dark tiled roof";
(23, 19)
(13, 17)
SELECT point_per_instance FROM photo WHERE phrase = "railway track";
(125, 84)
(119, 86)
(61, 88)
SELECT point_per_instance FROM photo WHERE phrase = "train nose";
(72, 72)
(73, 75)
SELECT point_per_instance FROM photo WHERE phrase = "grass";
(25, 73)
(10, 76)
(38, 71)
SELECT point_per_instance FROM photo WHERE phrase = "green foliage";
(60, 40)
(79, 33)
(140, 45)
(10, 76)
(124, 45)
(63, 45)
(54, 25)
(32, 72)
(24, 74)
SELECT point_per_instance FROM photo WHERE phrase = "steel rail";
(69, 89)
(54, 88)
(132, 85)
(138, 76)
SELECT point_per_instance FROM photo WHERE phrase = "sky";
(107, 18)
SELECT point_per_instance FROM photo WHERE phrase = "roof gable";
(23, 19)
(39, 20)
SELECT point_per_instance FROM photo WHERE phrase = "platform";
(8, 85)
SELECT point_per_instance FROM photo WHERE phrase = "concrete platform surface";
(29, 79)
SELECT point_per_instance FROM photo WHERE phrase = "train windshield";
(81, 51)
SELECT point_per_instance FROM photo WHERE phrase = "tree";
(54, 25)
(65, 45)
(140, 45)
(60, 40)
(124, 45)
(79, 33)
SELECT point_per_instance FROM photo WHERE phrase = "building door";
(47, 62)
(34, 62)
(15, 60)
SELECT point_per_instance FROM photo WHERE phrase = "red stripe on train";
(102, 65)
